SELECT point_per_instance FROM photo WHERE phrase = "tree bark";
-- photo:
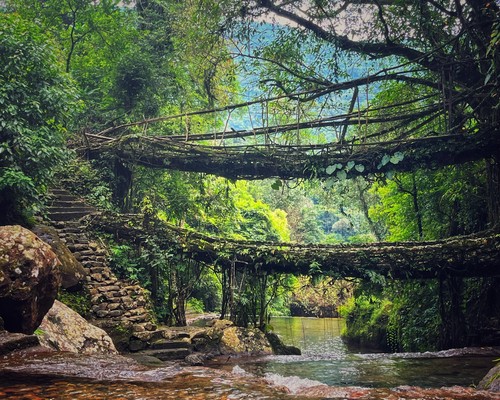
(493, 186)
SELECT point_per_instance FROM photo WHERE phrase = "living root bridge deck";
(464, 256)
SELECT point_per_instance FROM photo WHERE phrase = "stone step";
(81, 247)
(57, 191)
(70, 229)
(167, 354)
(66, 197)
(165, 344)
(67, 215)
(79, 208)
(67, 203)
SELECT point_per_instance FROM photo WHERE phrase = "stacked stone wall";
(115, 303)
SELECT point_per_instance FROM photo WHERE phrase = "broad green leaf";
(397, 157)
(342, 175)
(277, 185)
(385, 159)
(331, 169)
(329, 183)
(359, 167)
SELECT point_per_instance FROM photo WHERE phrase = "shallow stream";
(325, 358)
(325, 370)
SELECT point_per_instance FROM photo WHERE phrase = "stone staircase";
(116, 304)
(66, 206)
(121, 307)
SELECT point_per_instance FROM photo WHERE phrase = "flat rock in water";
(16, 341)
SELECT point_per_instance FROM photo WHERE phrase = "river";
(327, 369)
(326, 359)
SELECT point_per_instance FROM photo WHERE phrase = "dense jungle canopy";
(377, 121)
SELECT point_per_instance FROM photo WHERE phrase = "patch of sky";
(277, 60)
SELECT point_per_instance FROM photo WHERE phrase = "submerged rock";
(64, 329)
(29, 279)
(72, 271)
(279, 348)
(492, 380)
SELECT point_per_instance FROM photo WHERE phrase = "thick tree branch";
(344, 43)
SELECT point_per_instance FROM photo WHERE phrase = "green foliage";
(81, 177)
(256, 220)
(208, 290)
(447, 202)
(195, 306)
(78, 301)
(414, 321)
(125, 262)
(366, 321)
(320, 297)
(36, 100)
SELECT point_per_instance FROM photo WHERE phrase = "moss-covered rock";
(279, 348)
(244, 341)
(65, 330)
(29, 279)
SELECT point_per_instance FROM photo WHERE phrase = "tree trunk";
(493, 182)
(225, 293)
(365, 208)
(416, 207)
(180, 310)
(453, 328)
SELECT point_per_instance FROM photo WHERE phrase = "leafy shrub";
(36, 101)
(78, 301)
(366, 322)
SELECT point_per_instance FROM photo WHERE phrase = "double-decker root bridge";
(434, 128)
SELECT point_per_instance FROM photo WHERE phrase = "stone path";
(120, 307)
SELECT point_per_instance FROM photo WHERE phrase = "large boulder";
(72, 271)
(244, 341)
(65, 330)
(29, 279)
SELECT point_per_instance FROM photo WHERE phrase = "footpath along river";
(325, 370)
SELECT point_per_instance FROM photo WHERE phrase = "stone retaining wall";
(116, 304)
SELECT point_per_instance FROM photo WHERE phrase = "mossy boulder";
(244, 341)
(29, 279)
(279, 348)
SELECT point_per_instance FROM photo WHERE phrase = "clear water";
(37, 374)
(326, 359)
